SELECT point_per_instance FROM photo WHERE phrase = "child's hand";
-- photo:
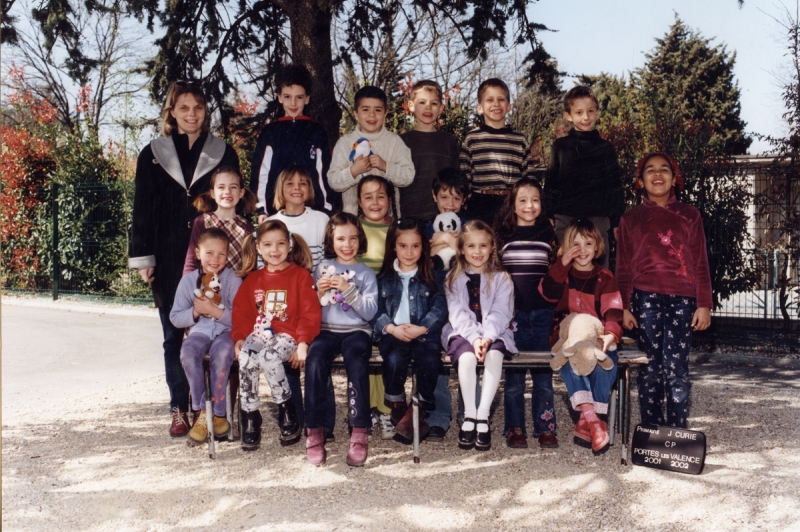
(339, 283)
(607, 339)
(399, 332)
(415, 331)
(701, 319)
(628, 321)
(298, 358)
(481, 345)
(204, 307)
(570, 254)
(262, 218)
(323, 284)
(360, 166)
(237, 348)
(376, 161)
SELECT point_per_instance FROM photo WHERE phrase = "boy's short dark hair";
(426, 84)
(493, 82)
(293, 74)
(451, 179)
(370, 91)
(576, 93)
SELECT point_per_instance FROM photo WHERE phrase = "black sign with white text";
(669, 448)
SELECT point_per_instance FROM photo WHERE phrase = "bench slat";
(525, 358)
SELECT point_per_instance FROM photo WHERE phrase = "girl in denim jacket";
(411, 313)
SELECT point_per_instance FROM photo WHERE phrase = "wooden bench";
(618, 404)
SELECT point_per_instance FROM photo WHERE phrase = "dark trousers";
(484, 207)
(397, 356)
(665, 335)
(356, 348)
(293, 378)
(176, 378)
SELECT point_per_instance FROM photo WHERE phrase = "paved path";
(54, 353)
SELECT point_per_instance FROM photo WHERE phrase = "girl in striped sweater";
(576, 284)
(527, 244)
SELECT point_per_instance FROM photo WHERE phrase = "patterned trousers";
(665, 335)
(259, 353)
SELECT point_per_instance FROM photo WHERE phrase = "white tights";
(467, 377)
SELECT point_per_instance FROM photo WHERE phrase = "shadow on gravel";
(115, 467)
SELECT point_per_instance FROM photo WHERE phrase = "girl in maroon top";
(663, 274)
(576, 284)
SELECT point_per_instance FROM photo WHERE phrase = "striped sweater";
(593, 292)
(310, 225)
(362, 296)
(526, 257)
(495, 158)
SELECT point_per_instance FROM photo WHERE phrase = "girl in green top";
(375, 200)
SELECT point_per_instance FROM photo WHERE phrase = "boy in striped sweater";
(493, 156)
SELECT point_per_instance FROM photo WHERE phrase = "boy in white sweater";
(387, 155)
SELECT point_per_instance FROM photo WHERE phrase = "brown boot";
(180, 423)
(405, 428)
(399, 409)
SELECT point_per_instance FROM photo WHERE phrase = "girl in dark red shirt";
(663, 275)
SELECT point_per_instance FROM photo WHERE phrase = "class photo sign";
(669, 448)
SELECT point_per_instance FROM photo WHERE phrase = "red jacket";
(288, 294)
(663, 250)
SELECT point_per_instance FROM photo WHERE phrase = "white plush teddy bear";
(348, 276)
(449, 222)
(329, 297)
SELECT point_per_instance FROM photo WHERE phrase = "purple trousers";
(220, 350)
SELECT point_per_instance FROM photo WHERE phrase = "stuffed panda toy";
(450, 222)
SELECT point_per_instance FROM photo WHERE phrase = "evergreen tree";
(689, 78)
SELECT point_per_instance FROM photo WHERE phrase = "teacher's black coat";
(163, 211)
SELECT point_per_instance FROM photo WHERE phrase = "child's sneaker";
(199, 433)
(387, 429)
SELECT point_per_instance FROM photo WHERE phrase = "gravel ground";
(106, 462)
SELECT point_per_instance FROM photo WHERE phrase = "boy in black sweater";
(584, 178)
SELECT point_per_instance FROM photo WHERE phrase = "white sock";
(492, 372)
(467, 363)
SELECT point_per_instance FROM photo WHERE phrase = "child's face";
(448, 200)
(494, 106)
(657, 179)
(374, 202)
(189, 114)
(587, 250)
(408, 248)
(528, 205)
(582, 114)
(345, 243)
(213, 254)
(227, 190)
(426, 108)
(273, 246)
(477, 249)
(295, 191)
(293, 99)
(370, 115)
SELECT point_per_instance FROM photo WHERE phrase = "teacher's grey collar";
(167, 156)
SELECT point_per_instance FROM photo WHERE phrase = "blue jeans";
(356, 348)
(443, 413)
(593, 388)
(176, 378)
(665, 335)
(293, 378)
(532, 329)
(397, 356)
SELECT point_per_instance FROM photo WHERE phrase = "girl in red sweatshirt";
(664, 279)
(276, 315)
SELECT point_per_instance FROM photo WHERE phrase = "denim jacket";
(426, 308)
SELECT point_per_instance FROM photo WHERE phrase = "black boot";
(288, 422)
(251, 430)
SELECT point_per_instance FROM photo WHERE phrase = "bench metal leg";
(209, 408)
(612, 413)
(415, 416)
(232, 401)
(625, 414)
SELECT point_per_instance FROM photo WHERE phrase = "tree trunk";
(310, 22)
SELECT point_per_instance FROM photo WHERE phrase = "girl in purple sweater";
(663, 276)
